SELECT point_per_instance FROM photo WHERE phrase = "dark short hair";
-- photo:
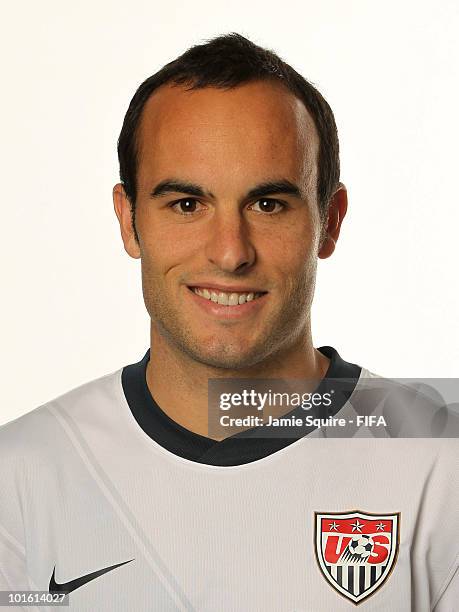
(225, 62)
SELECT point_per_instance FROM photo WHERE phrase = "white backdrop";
(72, 308)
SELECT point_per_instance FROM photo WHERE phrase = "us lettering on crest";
(356, 551)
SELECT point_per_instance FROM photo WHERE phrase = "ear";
(123, 212)
(336, 212)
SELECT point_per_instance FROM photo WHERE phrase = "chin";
(225, 357)
(216, 349)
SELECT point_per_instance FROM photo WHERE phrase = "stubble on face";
(286, 322)
(285, 327)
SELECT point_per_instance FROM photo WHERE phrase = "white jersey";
(92, 504)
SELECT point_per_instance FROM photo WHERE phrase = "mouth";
(228, 306)
(226, 298)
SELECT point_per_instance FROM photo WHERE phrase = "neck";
(179, 383)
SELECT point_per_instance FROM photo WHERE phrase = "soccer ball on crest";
(359, 548)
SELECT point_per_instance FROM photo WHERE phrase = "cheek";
(166, 239)
(162, 252)
(293, 250)
(296, 260)
(300, 276)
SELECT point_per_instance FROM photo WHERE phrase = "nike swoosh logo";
(78, 582)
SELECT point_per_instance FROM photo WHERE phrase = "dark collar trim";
(234, 450)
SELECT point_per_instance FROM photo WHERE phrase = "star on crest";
(334, 526)
(380, 526)
(357, 526)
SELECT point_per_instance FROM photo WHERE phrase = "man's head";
(230, 168)
(226, 62)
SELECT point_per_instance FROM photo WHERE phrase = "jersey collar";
(237, 449)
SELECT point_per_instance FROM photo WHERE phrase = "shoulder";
(412, 408)
(36, 431)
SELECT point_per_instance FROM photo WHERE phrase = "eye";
(185, 206)
(268, 206)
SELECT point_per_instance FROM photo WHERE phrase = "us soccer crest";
(356, 551)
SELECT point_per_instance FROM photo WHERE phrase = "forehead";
(258, 128)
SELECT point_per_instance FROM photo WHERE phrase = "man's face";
(203, 234)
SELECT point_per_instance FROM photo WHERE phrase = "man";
(120, 492)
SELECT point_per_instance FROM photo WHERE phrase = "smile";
(227, 305)
(225, 298)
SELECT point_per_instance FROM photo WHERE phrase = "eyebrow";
(272, 187)
(177, 186)
(266, 188)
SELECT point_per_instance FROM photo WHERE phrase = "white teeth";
(226, 299)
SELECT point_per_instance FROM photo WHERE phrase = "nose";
(228, 245)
